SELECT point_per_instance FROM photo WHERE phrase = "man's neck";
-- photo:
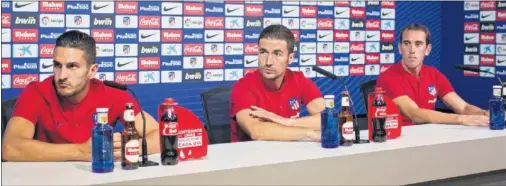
(413, 71)
(76, 99)
(274, 84)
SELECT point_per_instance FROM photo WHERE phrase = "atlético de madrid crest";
(432, 90)
(294, 103)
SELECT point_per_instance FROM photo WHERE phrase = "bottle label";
(329, 103)
(345, 102)
(380, 112)
(102, 117)
(170, 129)
(348, 132)
(132, 151)
(129, 115)
(497, 92)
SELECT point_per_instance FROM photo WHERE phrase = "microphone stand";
(356, 127)
(145, 162)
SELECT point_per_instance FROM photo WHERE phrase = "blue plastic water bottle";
(329, 124)
(102, 144)
(496, 106)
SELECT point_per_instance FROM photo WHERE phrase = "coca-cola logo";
(372, 24)
(149, 22)
(193, 49)
(357, 47)
(46, 50)
(325, 24)
(471, 27)
(22, 80)
(214, 22)
(387, 4)
(490, 5)
(126, 77)
(380, 112)
(6, 20)
(251, 48)
(357, 70)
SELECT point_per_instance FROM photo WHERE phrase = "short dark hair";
(419, 27)
(279, 32)
(79, 40)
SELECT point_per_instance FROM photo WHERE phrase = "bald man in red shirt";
(266, 103)
(53, 119)
(415, 87)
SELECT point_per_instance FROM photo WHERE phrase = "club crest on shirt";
(294, 103)
(432, 90)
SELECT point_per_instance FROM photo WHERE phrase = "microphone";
(145, 162)
(113, 84)
(472, 69)
(325, 73)
(354, 115)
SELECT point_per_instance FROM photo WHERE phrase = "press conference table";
(422, 153)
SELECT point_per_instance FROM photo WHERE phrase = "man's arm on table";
(259, 129)
(459, 106)
(315, 107)
(419, 115)
(19, 145)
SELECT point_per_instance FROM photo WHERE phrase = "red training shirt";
(66, 123)
(286, 102)
(424, 91)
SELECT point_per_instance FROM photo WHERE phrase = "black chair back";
(216, 104)
(7, 109)
(365, 89)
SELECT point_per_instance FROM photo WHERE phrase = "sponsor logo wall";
(485, 37)
(177, 42)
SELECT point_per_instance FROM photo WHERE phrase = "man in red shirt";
(415, 87)
(266, 103)
(53, 119)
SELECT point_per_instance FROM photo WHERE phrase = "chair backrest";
(365, 89)
(7, 109)
(216, 103)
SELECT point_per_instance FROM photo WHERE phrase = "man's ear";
(428, 49)
(93, 71)
(290, 57)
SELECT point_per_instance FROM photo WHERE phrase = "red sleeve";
(443, 84)
(391, 86)
(309, 90)
(28, 104)
(240, 98)
(118, 107)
